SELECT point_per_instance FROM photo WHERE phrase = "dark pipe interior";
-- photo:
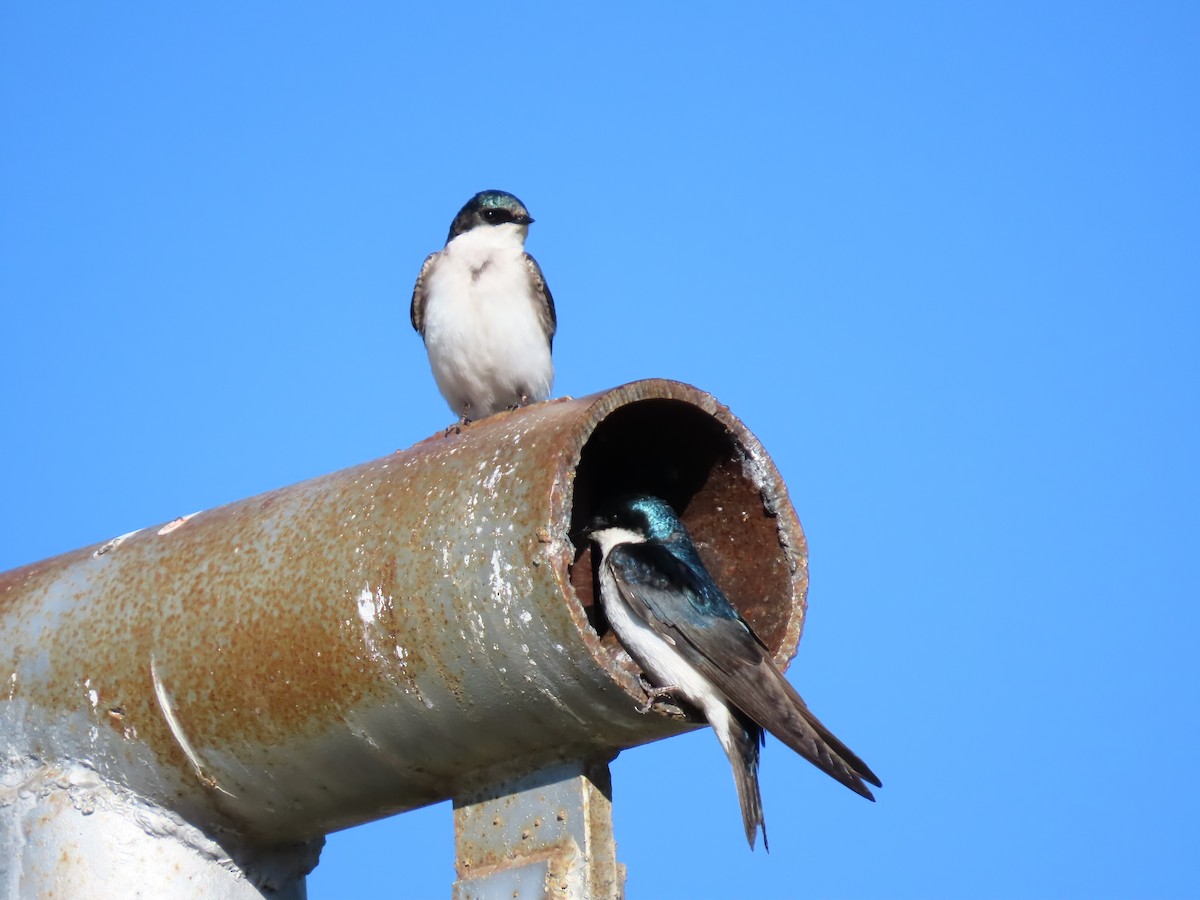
(686, 457)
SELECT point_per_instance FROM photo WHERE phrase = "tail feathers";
(745, 738)
(844, 759)
(778, 708)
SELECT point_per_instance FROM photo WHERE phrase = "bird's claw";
(653, 694)
(524, 401)
(457, 427)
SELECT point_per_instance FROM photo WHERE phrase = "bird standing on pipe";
(678, 625)
(482, 306)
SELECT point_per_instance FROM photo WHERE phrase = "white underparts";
(665, 665)
(483, 332)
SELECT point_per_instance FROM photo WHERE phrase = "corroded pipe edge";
(757, 467)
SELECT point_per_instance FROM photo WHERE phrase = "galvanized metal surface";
(548, 834)
(65, 834)
(397, 633)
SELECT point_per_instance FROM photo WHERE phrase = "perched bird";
(484, 310)
(685, 634)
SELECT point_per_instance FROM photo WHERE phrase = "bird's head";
(644, 515)
(490, 209)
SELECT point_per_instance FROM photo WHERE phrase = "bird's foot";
(654, 694)
(457, 427)
(524, 401)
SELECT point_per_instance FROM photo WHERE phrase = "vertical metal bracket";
(546, 835)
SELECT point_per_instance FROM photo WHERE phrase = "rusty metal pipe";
(391, 635)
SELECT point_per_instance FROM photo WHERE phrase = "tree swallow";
(682, 630)
(484, 310)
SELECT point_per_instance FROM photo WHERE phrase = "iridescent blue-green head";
(489, 208)
(643, 514)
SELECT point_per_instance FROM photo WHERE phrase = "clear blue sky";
(942, 259)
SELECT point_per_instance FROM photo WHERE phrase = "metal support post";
(548, 834)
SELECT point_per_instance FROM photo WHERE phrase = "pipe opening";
(684, 455)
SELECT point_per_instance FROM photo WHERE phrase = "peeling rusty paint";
(391, 634)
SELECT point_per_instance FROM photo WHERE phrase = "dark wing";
(684, 607)
(687, 608)
(545, 309)
(417, 311)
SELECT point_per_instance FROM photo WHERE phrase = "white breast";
(655, 654)
(483, 333)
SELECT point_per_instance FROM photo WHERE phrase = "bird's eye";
(496, 216)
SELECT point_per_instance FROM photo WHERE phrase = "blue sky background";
(942, 259)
